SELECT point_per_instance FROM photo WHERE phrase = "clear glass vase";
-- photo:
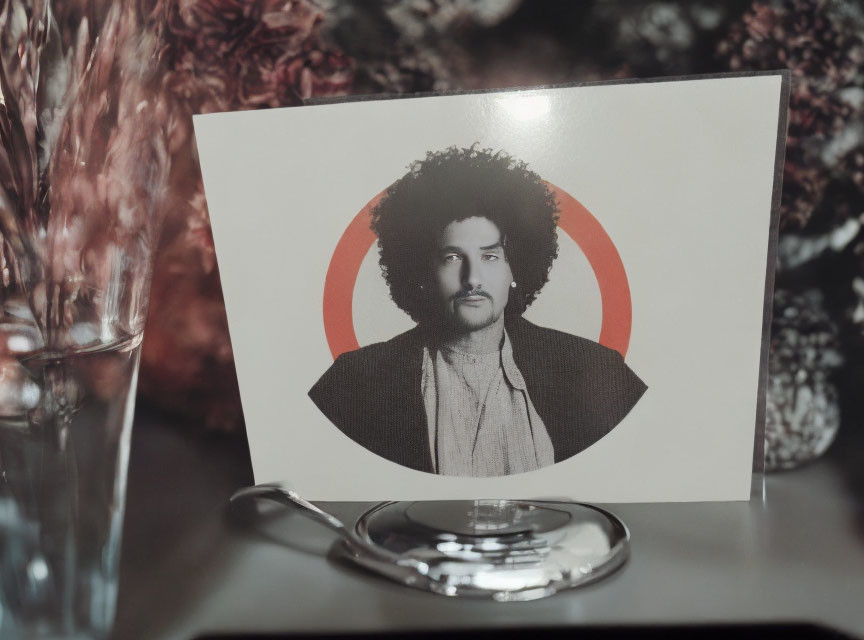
(84, 166)
(62, 493)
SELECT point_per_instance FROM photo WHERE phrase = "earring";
(421, 287)
(513, 285)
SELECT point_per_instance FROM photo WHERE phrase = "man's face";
(471, 274)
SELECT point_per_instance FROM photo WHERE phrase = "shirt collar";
(508, 364)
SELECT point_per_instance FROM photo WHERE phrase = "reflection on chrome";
(506, 550)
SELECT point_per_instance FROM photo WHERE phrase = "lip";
(472, 299)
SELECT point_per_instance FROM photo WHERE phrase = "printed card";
(551, 292)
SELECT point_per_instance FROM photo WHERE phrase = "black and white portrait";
(466, 240)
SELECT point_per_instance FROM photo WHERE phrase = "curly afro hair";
(456, 184)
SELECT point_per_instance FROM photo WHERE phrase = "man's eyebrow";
(497, 245)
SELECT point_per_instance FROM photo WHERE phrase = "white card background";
(679, 173)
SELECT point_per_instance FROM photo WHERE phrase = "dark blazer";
(580, 389)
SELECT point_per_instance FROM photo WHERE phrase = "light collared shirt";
(481, 420)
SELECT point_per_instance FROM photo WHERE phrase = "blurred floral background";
(218, 55)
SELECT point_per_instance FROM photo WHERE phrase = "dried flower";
(802, 413)
(84, 164)
(217, 55)
(822, 44)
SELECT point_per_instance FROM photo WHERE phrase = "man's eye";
(490, 257)
(451, 257)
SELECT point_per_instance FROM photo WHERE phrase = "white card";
(637, 373)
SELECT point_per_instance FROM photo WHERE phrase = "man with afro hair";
(466, 241)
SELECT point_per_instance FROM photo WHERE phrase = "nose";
(471, 277)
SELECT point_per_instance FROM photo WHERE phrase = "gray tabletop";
(187, 570)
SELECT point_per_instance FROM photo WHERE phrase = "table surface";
(186, 570)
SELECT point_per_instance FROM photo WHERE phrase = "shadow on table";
(173, 533)
(278, 524)
(848, 449)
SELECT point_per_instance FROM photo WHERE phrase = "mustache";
(467, 294)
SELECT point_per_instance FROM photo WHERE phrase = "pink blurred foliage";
(217, 55)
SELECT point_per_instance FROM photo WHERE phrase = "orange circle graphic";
(574, 219)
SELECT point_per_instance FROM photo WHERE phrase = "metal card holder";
(504, 550)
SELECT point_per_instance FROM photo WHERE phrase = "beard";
(467, 318)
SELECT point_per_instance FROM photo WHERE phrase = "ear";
(515, 300)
